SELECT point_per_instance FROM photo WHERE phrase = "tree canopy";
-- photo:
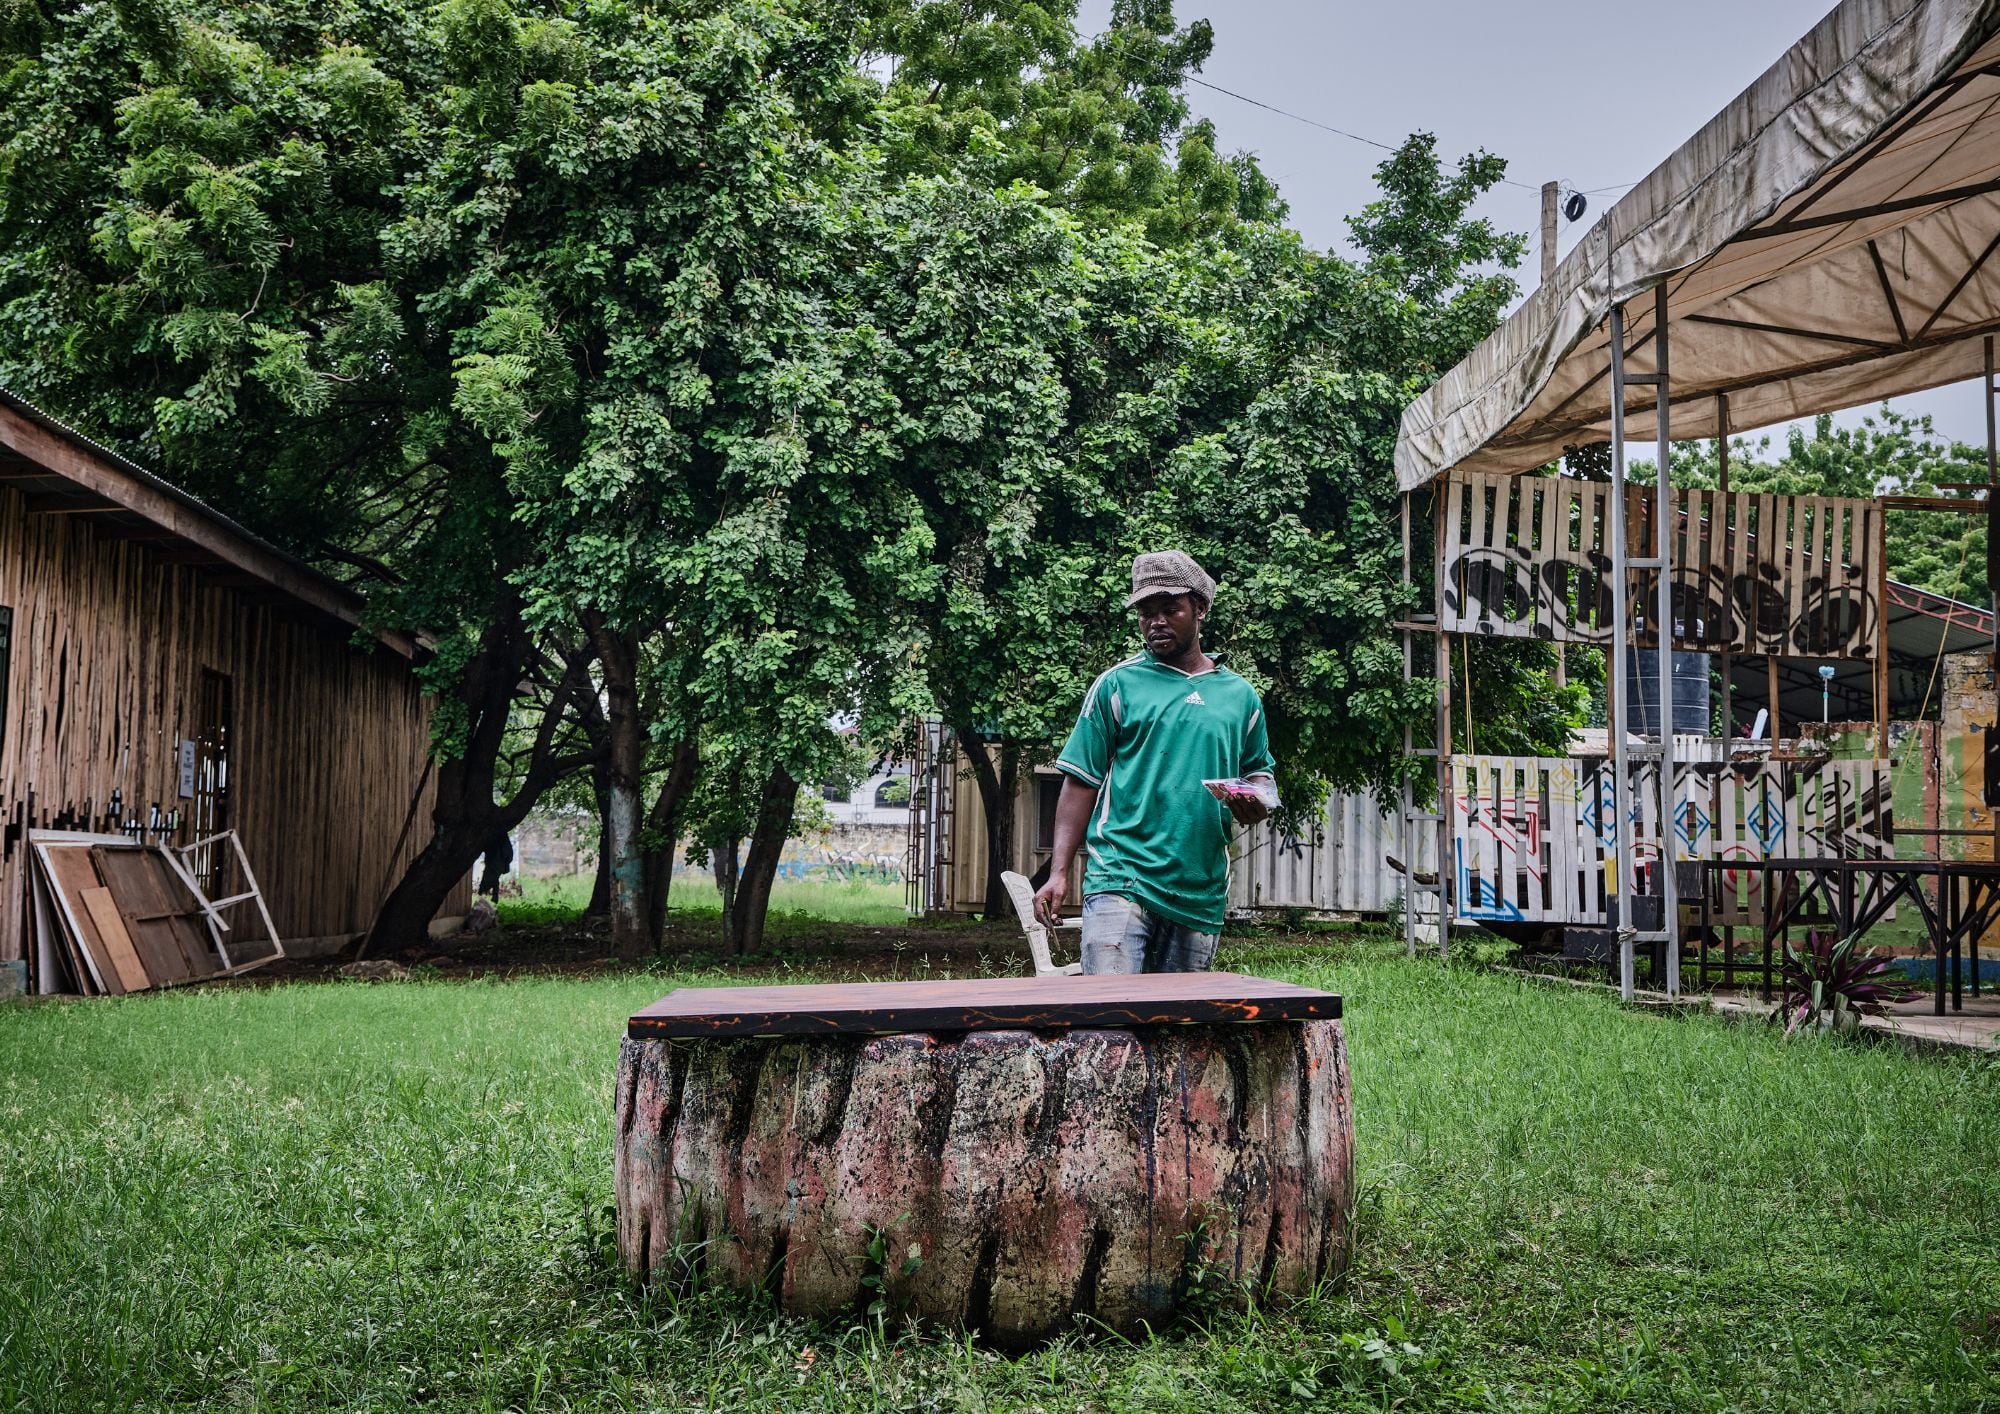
(714, 384)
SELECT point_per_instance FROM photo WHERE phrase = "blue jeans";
(1120, 936)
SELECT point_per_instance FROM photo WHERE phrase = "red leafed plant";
(1831, 982)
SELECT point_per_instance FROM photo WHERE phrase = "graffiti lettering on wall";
(803, 861)
(1530, 557)
(1531, 836)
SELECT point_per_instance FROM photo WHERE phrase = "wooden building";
(164, 674)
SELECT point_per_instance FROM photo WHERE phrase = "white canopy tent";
(1827, 240)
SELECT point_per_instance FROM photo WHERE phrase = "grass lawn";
(396, 1196)
(693, 896)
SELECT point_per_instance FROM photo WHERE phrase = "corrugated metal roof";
(133, 496)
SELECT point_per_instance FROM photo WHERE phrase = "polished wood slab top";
(982, 1004)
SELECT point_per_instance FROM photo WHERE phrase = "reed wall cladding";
(110, 642)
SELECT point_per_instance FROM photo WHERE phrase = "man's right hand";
(1049, 899)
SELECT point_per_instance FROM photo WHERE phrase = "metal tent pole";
(1614, 697)
(1992, 506)
(1663, 552)
(1447, 874)
(1408, 800)
(1413, 623)
(1718, 529)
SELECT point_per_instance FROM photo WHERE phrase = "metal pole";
(1718, 880)
(1410, 852)
(1992, 551)
(1447, 874)
(1621, 630)
(1663, 552)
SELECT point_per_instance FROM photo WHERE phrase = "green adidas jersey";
(1147, 738)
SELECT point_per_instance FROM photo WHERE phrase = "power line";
(1297, 118)
(1357, 137)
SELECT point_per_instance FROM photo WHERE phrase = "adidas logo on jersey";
(1194, 697)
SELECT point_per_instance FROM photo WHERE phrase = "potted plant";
(1829, 983)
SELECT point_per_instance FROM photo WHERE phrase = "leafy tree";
(1287, 386)
(696, 389)
(981, 298)
(194, 204)
(376, 276)
(1236, 396)
(650, 354)
(1005, 91)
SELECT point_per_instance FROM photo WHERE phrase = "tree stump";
(1011, 1172)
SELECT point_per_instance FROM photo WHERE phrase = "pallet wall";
(108, 646)
(1532, 836)
(1530, 557)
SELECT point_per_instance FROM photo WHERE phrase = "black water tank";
(1642, 699)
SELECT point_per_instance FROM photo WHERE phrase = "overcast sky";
(1591, 93)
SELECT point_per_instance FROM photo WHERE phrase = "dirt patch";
(792, 944)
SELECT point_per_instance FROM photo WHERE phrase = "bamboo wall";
(109, 643)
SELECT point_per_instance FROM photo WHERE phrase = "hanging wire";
(1372, 142)
(1465, 656)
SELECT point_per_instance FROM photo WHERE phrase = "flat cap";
(1168, 572)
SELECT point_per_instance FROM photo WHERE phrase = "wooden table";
(1856, 894)
(1005, 1155)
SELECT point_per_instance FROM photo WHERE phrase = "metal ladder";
(1413, 820)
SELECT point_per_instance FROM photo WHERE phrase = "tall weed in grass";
(393, 1197)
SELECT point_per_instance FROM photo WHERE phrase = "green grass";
(395, 1196)
(858, 901)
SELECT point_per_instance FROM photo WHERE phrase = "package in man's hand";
(1263, 789)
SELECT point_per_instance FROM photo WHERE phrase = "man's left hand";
(1249, 811)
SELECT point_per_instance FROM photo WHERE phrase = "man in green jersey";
(1152, 729)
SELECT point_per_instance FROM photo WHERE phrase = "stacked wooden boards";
(115, 915)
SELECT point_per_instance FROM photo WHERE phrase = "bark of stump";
(1039, 1176)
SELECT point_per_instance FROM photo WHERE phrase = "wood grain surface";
(987, 1004)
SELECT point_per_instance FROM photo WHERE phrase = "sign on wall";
(187, 770)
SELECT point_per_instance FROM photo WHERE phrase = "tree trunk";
(724, 861)
(600, 888)
(998, 785)
(760, 868)
(663, 832)
(404, 919)
(624, 776)
(464, 814)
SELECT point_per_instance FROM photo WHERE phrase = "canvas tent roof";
(1827, 240)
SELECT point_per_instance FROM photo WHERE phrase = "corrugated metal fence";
(1342, 867)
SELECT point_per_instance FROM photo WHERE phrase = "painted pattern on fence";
(1530, 557)
(1531, 836)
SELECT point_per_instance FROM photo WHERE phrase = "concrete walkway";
(1977, 1026)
